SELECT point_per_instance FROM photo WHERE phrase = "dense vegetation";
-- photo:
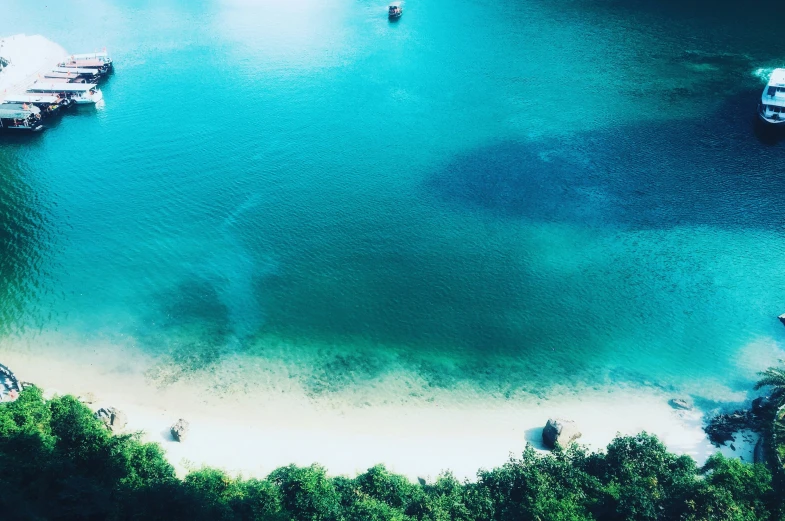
(58, 462)
(773, 379)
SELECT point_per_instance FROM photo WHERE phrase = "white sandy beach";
(28, 56)
(255, 431)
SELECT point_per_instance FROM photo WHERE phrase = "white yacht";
(80, 93)
(771, 108)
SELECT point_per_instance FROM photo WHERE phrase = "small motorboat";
(395, 11)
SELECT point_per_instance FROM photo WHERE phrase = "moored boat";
(20, 116)
(79, 93)
(771, 109)
(394, 11)
(96, 65)
(98, 60)
(87, 76)
(49, 104)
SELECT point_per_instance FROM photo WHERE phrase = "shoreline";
(28, 55)
(251, 433)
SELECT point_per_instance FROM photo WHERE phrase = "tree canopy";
(57, 462)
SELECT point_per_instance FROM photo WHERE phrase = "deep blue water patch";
(719, 171)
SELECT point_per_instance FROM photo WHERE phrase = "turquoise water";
(507, 195)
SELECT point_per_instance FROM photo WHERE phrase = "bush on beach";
(58, 462)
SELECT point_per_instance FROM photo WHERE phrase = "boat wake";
(763, 73)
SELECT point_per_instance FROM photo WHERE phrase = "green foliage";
(641, 476)
(749, 486)
(306, 493)
(541, 488)
(773, 377)
(57, 462)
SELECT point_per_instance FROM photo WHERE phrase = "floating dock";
(31, 98)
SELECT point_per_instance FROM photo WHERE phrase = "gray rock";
(762, 405)
(119, 420)
(88, 397)
(180, 430)
(561, 431)
(759, 454)
(114, 419)
(105, 415)
(678, 403)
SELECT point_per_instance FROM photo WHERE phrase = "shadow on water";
(768, 134)
(722, 171)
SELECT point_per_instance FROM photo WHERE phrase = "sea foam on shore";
(249, 420)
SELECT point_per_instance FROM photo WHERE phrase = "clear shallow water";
(510, 196)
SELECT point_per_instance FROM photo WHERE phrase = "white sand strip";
(29, 56)
(253, 432)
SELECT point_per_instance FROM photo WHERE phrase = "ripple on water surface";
(358, 200)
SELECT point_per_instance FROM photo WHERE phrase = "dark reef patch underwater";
(718, 171)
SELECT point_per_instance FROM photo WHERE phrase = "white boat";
(74, 77)
(94, 60)
(73, 70)
(81, 93)
(771, 108)
(103, 56)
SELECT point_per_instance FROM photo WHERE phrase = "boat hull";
(95, 98)
(769, 121)
(36, 128)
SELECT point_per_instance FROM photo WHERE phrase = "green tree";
(749, 485)
(306, 493)
(641, 478)
(773, 377)
(540, 487)
(380, 484)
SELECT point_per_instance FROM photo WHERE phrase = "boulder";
(762, 405)
(678, 403)
(561, 431)
(114, 419)
(119, 420)
(782, 318)
(180, 430)
(723, 427)
(88, 397)
(759, 455)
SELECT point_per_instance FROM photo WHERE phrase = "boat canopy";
(31, 98)
(16, 111)
(83, 63)
(74, 70)
(61, 87)
(61, 79)
(777, 78)
(89, 56)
